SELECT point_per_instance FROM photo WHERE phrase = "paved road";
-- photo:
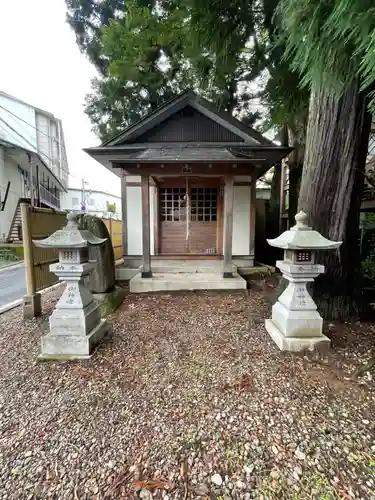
(12, 284)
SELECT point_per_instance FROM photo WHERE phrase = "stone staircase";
(180, 275)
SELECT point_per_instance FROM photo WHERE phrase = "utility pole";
(83, 196)
(31, 181)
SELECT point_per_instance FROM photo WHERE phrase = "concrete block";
(295, 344)
(125, 273)
(32, 306)
(69, 347)
(175, 266)
(167, 282)
(297, 323)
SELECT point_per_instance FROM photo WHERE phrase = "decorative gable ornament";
(296, 324)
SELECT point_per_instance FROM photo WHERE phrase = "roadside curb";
(10, 306)
(14, 265)
(18, 302)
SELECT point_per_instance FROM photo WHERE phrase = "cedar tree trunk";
(295, 164)
(331, 188)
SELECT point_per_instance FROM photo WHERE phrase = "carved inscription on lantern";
(71, 294)
(301, 296)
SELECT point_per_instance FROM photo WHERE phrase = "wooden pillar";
(228, 226)
(124, 216)
(253, 200)
(145, 188)
(283, 167)
(32, 304)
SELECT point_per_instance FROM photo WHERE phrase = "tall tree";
(231, 29)
(147, 51)
(139, 48)
(328, 43)
(87, 18)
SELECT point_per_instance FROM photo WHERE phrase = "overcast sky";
(42, 65)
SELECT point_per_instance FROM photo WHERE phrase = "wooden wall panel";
(203, 237)
(173, 237)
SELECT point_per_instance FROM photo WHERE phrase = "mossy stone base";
(110, 301)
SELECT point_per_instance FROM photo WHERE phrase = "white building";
(33, 162)
(92, 202)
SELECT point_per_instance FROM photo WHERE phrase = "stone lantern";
(76, 325)
(296, 324)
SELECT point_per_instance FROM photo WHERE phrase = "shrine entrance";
(190, 216)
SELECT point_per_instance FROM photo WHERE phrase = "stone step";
(184, 281)
(187, 266)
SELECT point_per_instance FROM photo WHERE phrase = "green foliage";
(140, 54)
(11, 254)
(368, 245)
(111, 207)
(87, 17)
(147, 51)
(244, 37)
(331, 43)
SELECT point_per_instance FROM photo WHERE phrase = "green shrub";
(368, 268)
(11, 254)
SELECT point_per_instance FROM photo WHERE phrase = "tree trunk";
(331, 190)
(295, 174)
(273, 217)
(295, 164)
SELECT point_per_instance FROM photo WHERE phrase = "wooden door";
(189, 219)
(173, 214)
(203, 220)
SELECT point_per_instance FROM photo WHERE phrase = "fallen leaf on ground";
(151, 484)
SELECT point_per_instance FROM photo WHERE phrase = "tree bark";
(296, 140)
(273, 217)
(331, 189)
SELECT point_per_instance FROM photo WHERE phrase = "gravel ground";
(188, 398)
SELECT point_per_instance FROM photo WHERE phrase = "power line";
(41, 131)
(44, 133)
(33, 126)
(26, 140)
(38, 130)
(32, 145)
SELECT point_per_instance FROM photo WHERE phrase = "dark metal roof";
(187, 129)
(189, 99)
(177, 153)
(188, 125)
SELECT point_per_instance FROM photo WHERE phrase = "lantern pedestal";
(75, 325)
(295, 344)
(296, 324)
(70, 347)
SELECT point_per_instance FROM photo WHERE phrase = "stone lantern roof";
(303, 237)
(70, 236)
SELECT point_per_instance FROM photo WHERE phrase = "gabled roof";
(188, 98)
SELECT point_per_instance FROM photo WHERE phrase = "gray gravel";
(188, 399)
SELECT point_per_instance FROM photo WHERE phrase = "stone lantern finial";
(76, 325)
(296, 325)
(301, 221)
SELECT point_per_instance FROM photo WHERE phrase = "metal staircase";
(15, 232)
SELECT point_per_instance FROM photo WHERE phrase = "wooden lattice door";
(188, 220)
